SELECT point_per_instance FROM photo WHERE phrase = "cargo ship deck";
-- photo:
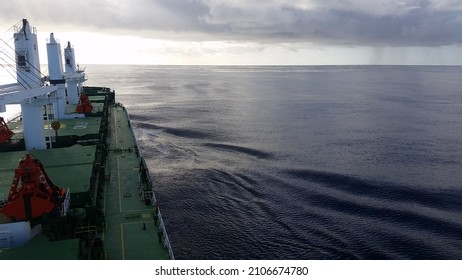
(106, 175)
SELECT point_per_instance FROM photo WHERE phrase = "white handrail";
(164, 232)
(66, 203)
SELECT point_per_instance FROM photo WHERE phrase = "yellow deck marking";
(118, 184)
(115, 130)
(122, 241)
(118, 164)
(105, 185)
(122, 234)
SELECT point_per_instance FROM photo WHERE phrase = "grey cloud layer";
(348, 22)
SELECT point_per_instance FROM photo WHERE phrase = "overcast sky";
(248, 31)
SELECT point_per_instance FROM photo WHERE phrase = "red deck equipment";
(84, 105)
(5, 132)
(32, 194)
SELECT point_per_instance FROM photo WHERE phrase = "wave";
(392, 221)
(239, 149)
(179, 132)
(441, 198)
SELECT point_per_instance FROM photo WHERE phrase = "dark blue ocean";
(301, 162)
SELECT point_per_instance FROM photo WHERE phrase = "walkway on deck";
(130, 232)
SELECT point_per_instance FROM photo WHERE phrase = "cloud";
(356, 22)
(334, 22)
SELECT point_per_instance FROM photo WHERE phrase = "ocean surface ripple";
(301, 162)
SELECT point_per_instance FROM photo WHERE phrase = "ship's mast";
(74, 77)
(69, 55)
(27, 56)
(29, 75)
(55, 69)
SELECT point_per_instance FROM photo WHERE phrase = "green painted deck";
(125, 237)
(71, 126)
(39, 248)
(67, 167)
(79, 127)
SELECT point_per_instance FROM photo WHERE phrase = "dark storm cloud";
(348, 22)
(419, 27)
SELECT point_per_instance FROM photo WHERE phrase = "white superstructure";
(33, 93)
